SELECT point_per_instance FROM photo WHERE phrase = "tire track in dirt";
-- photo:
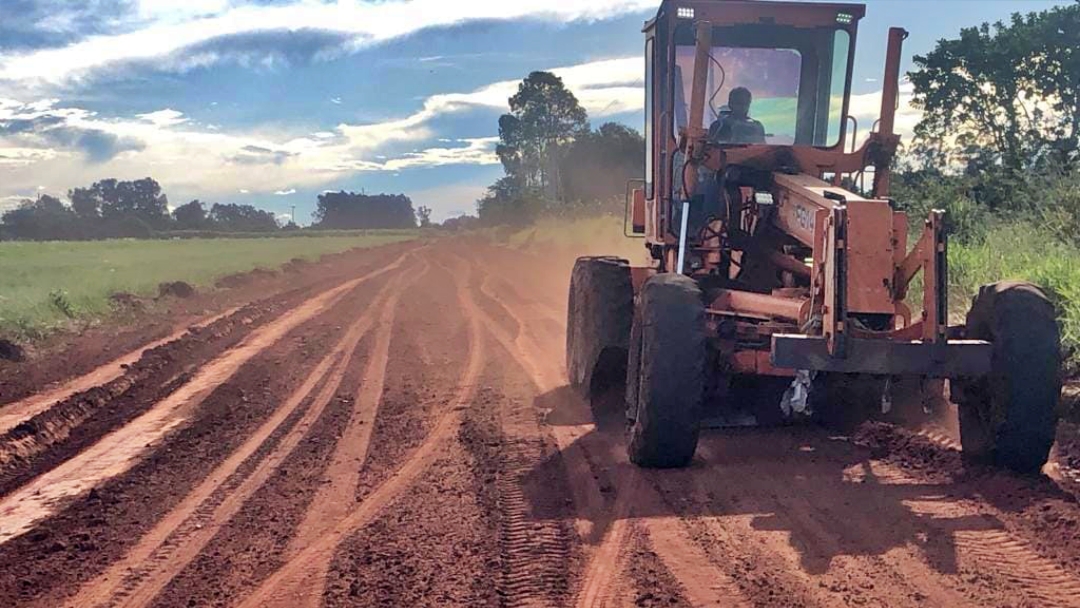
(63, 429)
(742, 552)
(13, 414)
(118, 451)
(179, 537)
(1011, 538)
(996, 554)
(288, 585)
(604, 523)
(332, 503)
(817, 533)
(611, 523)
(826, 563)
(647, 583)
(535, 550)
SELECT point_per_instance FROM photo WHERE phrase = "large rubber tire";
(1009, 418)
(670, 370)
(599, 315)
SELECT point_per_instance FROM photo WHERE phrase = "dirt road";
(393, 429)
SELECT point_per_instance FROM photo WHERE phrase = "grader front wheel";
(1009, 417)
(668, 360)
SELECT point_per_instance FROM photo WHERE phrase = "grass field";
(45, 286)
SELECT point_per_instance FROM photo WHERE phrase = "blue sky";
(270, 102)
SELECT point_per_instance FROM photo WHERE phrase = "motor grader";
(778, 278)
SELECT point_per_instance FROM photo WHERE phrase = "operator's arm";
(755, 132)
(720, 131)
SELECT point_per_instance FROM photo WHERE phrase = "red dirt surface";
(392, 427)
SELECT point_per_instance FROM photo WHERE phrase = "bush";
(1021, 250)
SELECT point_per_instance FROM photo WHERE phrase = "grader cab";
(778, 268)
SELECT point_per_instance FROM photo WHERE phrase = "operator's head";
(739, 101)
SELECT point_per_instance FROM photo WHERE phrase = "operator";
(736, 126)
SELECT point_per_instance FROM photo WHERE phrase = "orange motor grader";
(774, 288)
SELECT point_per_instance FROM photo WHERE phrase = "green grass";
(47, 286)
(1018, 250)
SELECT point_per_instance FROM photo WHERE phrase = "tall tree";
(598, 164)
(423, 215)
(114, 200)
(85, 203)
(1005, 94)
(190, 216)
(231, 217)
(44, 219)
(544, 117)
(508, 202)
(349, 210)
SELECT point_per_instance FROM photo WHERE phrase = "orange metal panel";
(889, 97)
(870, 257)
(758, 304)
(900, 237)
(638, 276)
(757, 362)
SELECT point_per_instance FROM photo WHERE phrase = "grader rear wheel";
(599, 315)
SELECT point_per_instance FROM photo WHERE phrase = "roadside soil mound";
(123, 300)
(176, 289)
(295, 265)
(241, 279)
(10, 351)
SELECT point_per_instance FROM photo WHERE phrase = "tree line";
(140, 209)
(553, 161)
(999, 136)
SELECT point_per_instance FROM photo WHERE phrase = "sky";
(271, 102)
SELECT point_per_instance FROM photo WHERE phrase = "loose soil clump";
(10, 351)
(241, 279)
(123, 300)
(176, 289)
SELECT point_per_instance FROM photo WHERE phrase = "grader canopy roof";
(794, 59)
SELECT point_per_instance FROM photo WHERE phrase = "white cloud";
(866, 109)
(477, 151)
(288, 192)
(21, 157)
(165, 27)
(164, 118)
(203, 162)
(8, 203)
(451, 200)
(178, 10)
(336, 101)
